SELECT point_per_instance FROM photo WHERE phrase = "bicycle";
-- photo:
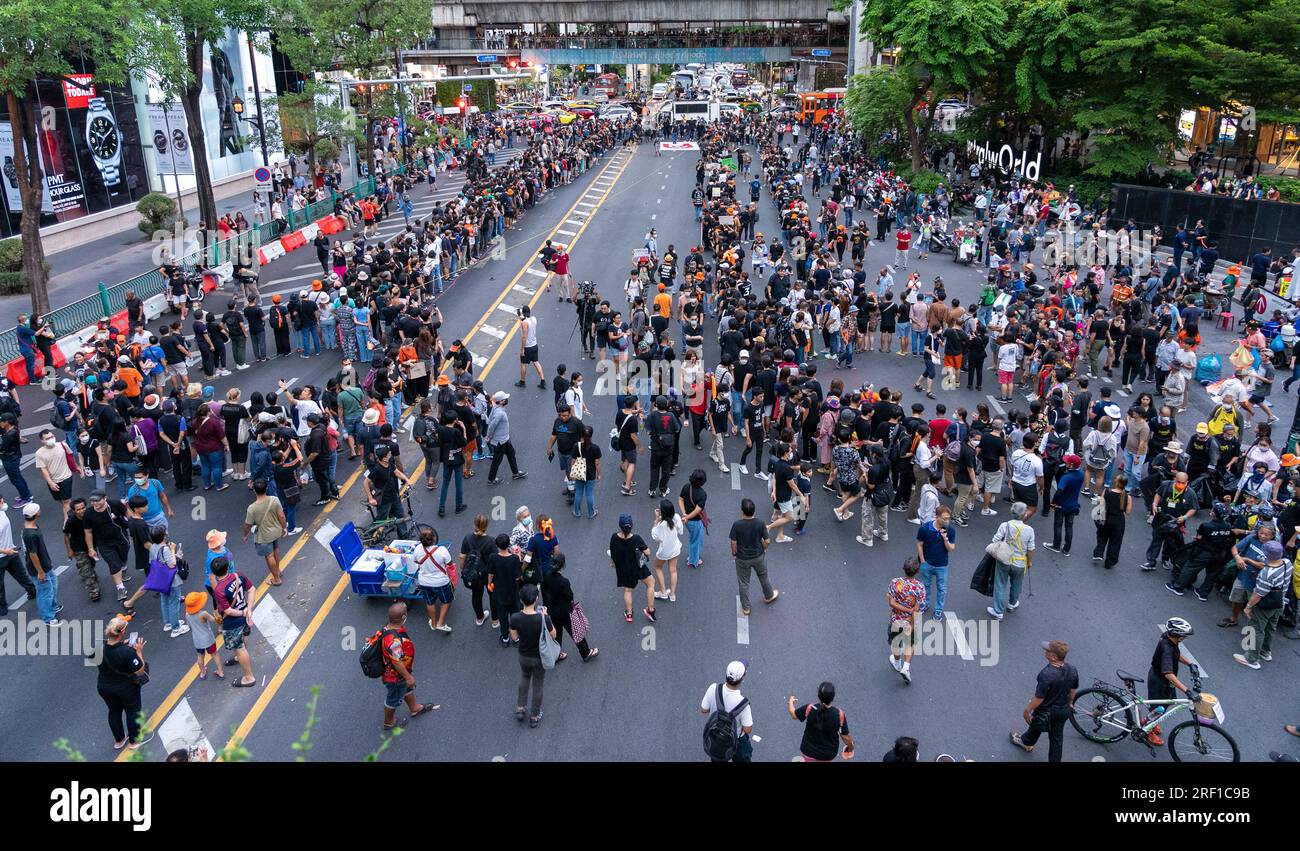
(383, 531)
(1106, 714)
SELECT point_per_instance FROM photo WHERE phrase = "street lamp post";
(257, 95)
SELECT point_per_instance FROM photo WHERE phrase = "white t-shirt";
(731, 698)
(54, 459)
(1026, 467)
(306, 408)
(1008, 357)
(432, 564)
(530, 332)
(670, 545)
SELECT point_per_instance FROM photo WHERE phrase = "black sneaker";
(520, 475)
(962, 521)
(1146, 565)
(650, 614)
(1173, 589)
(541, 385)
(521, 384)
(461, 508)
(1053, 547)
(494, 481)
(321, 502)
(1200, 596)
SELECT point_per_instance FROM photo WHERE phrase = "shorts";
(952, 361)
(1005, 377)
(529, 355)
(786, 507)
(1238, 594)
(990, 482)
(234, 637)
(1028, 494)
(265, 550)
(210, 650)
(395, 693)
(180, 369)
(436, 594)
(62, 491)
(628, 455)
(1257, 398)
(928, 371)
(471, 447)
(903, 634)
(850, 488)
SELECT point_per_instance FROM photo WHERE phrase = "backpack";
(372, 655)
(720, 739)
(472, 572)
(1055, 451)
(646, 343)
(57, 418)
(952, 451)
(663, 437)
(1099, 454)
(883, 494)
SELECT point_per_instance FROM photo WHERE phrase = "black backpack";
(720, 739)
(57, 419)
(1055, 449)
(663, 436)
(472, 572)
(372, 655)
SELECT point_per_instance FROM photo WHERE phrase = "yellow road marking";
(268, 693)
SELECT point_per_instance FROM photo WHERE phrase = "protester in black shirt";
(504, 574)
(824, 727)
(1052, 703)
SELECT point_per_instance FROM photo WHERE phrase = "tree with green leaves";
(172, 38)
(944, 46)
(359, 37)
(312, 123)
(37, 39)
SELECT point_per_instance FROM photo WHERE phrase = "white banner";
(679, 146)
(171, 139)
(9, 176)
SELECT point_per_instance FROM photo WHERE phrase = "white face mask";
(527, 521)
(141, 481)
(49, 441)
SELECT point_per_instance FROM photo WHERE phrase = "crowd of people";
(129, 417)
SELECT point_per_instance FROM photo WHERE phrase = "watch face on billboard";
(101, 134)
(160, 141)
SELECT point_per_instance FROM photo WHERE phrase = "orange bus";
(815, 106)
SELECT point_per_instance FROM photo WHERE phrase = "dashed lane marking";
(507, 308)
(492, 331)
(538, 272)
(182, 729)
(567, 232)
(953, 624)
(997, 406)
(742, 624)
(275, 626)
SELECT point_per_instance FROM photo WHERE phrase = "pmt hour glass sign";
(1004, 159)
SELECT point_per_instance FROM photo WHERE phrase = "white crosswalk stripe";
(275, 625)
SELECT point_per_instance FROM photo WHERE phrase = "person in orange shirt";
(131, 377)
(664, 302)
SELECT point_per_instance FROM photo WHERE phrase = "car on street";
(520, 106)
(583, 104)
(659, 90)
(617, 111)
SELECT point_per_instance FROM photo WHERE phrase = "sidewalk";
(75, 272)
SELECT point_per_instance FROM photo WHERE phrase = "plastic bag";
(1209, 368)
(1242, 357)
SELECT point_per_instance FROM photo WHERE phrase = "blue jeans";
(310, 335)
(290, 514)
(584, 491)
(939, 573)
(363, 337)
(171, 605)
(695, 541)
(737, 408)
(1133, 469)
(903, 331)
(124, 470)
(352, 423)
(13, 467)
(212, 465)
(436, 279)
(448, 473)
(47, 595)
(29, 361)
(918, 340)
(846, 353)
(393, 408)
(327, 332)
(699, 214)
(1006, 586)
(848, 216)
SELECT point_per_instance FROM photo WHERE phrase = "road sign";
(262, 177)
(467, 88)
(821, 51)
(486, 57)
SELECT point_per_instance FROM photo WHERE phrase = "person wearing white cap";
(497, 437)
(41, 567)
(731, 722)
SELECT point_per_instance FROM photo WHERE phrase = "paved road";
(638, 699)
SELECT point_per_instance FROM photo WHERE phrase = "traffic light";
(513, 64)
(464, 105)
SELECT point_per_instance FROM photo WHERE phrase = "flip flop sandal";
(242, 684)
(428, 707)
(1227, 623)
(203, 675)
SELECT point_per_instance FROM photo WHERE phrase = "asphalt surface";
(639, 699)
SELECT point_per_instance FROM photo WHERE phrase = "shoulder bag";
(547, 647)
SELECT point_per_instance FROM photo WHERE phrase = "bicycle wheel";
(1200, 742)
(1101, 715)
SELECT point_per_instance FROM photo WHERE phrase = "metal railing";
(750, 35)
(112, 299)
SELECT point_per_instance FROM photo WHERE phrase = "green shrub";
(157, 212)
(11, 255)
(1289, 187)
(13, 283)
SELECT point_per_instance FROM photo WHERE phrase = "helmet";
(1264, 511)
(1178, 627)
(1220, 510)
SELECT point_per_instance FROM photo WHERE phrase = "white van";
(659, 90)
(685, 79)
(685, 110)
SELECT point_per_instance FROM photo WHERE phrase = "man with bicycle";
(1162, 680)
(383, 491)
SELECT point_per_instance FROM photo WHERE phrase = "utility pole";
(257, 97)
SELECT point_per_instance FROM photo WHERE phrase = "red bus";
(611, 84)
(816, 106)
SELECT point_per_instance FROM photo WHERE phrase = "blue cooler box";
(347, 548)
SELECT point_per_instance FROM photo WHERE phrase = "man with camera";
(586, 301)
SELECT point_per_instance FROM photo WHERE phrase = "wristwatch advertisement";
(104, 141)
